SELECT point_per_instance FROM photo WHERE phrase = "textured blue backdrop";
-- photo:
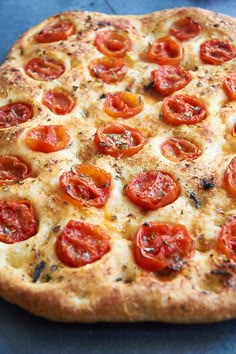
(22, 333)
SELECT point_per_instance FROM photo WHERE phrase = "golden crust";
(115, 288)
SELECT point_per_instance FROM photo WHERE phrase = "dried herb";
(38, 270)
(197, 202)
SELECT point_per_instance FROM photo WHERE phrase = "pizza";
(118, 168)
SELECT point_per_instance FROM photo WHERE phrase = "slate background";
(23, 333)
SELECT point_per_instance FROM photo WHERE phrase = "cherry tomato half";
(183, 109)
(227, 240)
(17, 221)
(153, 189)
(113, 43)
(58, 101)
(123, 104)
(169, 78)
(13, 169)
(58, 31)
(229, 86)
(161, 245)
(47, 138)
(86, 185)
(216, 51)
(230, 177)
(185, 28)
(118, 140)
(43, 69)
(15, 113)
(165, 50)
(179, 149)
(109, 70)
(80, 244)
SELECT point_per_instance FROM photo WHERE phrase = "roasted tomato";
(109, 70)
(227, 240)
(165, 50)
(183, 109)
(80, 244)
(86, 185)
(169, 78)
(43, 69)
(13, 169)
(113, 43)
(216, 51)
(118, 140)
(230, 177)
(153, 189)
(15, 113)
(123, 104)
(17, 221)
(47, 138)
(179, 149)
(58, 101)
(185, 28)
(161, 245)
(58, 31)
(229, 86)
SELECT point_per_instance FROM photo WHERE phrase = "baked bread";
(118, 168)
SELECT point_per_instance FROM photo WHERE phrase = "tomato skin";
(123, 104)
(108, 69)
(86, 186)
(185, 28)
(216, 51)
(15, 113)
(118, 140)
(169, 78)
(179, 149)
(183, 109)
(230, 177)
(80, 244)
(227, 239)
(17, 221)
(43, 69)
(165, 50)
(58, 101)
(47, 138)
(229, 86)
(153, 189)
(162, 245)
(113, 43)
(58, 31)
(13, 169)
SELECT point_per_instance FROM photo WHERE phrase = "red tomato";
(123, 104)
(169, 78)
(216, 51)
(58, 101)
(234, 130)
(109, 70)
(153, 189)
(227, 240)
(47, 138)
(86, 185)
(229, 86)
(160, 245)
(113, 43)
(17, 221)
(15, 113)
(13, 169)
(183, 109)
(80, 244)
(185, 28)
(118, 140)
(179, 149)
(43, 69)
(58, 31)
(230, 177)
(165, 51)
